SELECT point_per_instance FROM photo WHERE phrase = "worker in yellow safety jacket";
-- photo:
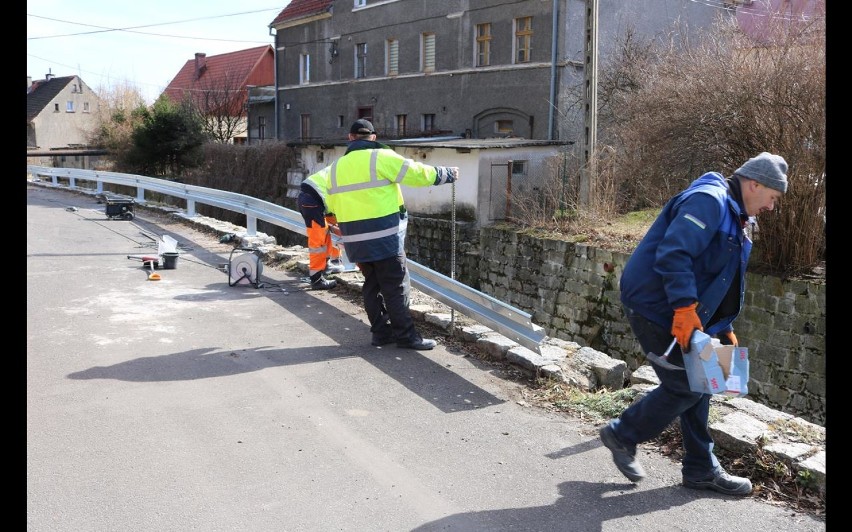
(363, 190)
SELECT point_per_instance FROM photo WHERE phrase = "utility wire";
(129, 29)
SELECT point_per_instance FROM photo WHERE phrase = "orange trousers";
(321, 248)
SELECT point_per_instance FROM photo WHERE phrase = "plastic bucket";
(170, 260)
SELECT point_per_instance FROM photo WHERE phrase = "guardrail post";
(140, 194)
(190, 207)
(99, 188)
(251, 225)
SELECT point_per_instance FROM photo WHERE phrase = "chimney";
(49, 76)
(200, 64)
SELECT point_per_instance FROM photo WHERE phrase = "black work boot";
(318, 282)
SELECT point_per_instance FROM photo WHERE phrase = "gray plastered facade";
(534, 99)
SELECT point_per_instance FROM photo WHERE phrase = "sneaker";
(334, 266)
(420, 344)
(723, 483)
(625, 460)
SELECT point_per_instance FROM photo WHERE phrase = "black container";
(119, 208)
(170, 261)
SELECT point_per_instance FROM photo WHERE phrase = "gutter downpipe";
(553, 52)
(275, 75)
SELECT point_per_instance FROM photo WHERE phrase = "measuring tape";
(453, 251)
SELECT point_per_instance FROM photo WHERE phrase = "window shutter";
(428, 52)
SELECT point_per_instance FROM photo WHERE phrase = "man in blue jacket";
(688, 273)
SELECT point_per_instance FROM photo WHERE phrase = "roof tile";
(297, 9)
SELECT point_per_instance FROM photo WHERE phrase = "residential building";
(447, 74)
(218, 86)
(62, 115)
(470, 68)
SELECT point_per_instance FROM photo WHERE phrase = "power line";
(761, 8)
(129, 29)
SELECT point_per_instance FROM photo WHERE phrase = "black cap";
(362, 127)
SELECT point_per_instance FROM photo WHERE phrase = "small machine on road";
(119, 208)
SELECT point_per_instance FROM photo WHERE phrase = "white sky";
(141, 43)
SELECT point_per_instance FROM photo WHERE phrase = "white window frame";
(392, 57)
(359, 3)
(69, 106)
(522, 35)
(427, 52)
(304, 69)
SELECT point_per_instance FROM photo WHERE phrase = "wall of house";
(62, 129)
(256, 112)
(482, 189)
(461, 96)
(572, 291)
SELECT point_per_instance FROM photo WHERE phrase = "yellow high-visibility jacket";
(362, 189)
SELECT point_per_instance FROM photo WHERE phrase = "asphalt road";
(188, 404)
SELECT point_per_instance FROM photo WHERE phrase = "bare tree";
(222, 103)
(121, 110)
(679, 105)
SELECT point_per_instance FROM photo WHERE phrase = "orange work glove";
(728, 338)
(684, 324)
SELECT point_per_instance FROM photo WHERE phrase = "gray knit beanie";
(767, 169)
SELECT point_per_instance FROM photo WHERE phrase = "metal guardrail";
(509, 321)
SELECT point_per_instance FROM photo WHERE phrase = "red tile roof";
(297, 9)
(233, 70)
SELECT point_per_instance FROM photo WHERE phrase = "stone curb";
(738, 424)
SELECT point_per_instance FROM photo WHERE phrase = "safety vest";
(362, 189)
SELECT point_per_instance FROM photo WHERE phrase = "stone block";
(494, 345)
(644, 374)
(611, 373)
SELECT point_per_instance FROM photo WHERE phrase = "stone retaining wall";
(571, 290)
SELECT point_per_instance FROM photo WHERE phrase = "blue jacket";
(694, 251)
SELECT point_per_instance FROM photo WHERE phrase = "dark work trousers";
(386, 296)
(671, 400)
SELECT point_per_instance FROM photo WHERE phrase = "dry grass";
(774, 480)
